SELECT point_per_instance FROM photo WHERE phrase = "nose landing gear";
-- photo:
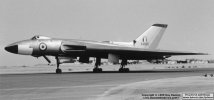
(58, 70)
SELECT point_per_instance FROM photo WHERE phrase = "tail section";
(151, 37)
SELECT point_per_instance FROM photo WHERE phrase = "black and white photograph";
(106, 50)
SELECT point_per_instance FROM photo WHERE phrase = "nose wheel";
(124, 70)
(97, 70)
(58, 70)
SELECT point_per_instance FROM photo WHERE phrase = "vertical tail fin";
(151, 37)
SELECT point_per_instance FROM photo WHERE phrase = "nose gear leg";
(58, 70)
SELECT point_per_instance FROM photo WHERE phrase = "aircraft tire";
(94, 70)
(120, 70)
(100, 69)
(97, 70)
(126, 69)
(58, 71)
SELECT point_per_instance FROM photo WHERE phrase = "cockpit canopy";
(37, 37)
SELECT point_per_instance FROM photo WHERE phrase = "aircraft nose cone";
(12, 48)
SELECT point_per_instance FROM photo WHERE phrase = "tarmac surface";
(84, 85)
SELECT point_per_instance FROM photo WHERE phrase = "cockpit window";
(39, 37)
(34, 38)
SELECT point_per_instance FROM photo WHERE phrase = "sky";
(190, 23)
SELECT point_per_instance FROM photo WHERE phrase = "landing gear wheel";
(123, 64)
(100, 69)
(124, 70)
(121, 70)
(58, 71)
(97, 64)
(97, 70)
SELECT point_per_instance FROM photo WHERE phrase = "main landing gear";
(121, 69)
(123, 64)
(58, 70)
(97, 64)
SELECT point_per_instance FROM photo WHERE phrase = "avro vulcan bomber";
(142, 48)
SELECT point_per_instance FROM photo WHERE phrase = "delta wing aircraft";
(142, 48)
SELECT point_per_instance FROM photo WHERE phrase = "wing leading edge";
(130, 53)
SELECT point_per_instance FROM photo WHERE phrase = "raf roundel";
(42, 46)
